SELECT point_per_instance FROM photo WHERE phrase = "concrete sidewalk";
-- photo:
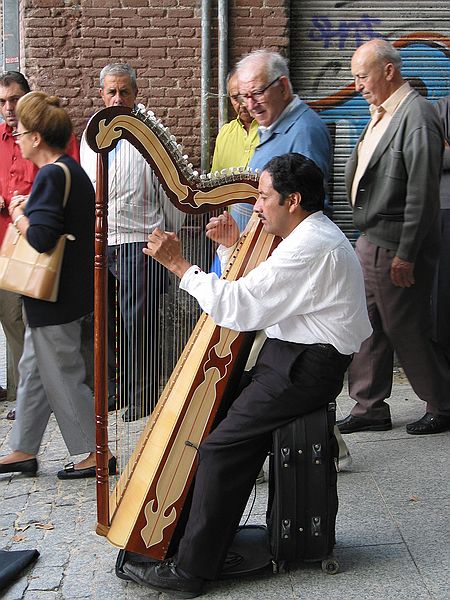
(393, 527)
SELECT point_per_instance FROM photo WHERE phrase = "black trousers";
(287, 381)
(441, 288)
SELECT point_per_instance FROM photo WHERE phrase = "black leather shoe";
(27, 467)
(11, 414)
(164, 577)
(69, 471)
(352, 424)
(112, 404)
(429, 424)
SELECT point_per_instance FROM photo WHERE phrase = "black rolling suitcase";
(303, 502)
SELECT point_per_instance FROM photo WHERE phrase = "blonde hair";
(37, 111)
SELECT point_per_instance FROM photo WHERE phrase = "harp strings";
(150, 318)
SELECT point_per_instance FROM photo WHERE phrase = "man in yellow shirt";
(236, 140)
(235, 145)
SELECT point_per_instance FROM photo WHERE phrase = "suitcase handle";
(317, 454)
(285, 457)
(285, 529)
(316, 526)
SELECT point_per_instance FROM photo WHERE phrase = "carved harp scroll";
(144, 508)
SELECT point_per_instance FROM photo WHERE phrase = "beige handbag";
(25, 271)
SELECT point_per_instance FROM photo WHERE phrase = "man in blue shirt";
(286, 123)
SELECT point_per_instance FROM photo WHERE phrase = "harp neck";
(185, 188)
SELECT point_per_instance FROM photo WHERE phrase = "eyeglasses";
(258, 95)
(17, 134)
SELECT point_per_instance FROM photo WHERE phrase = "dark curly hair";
(294, 172)
(9, 77)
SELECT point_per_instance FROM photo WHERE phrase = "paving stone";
(78, 584)
(14, 505)
(45, 595)
(425, 526)
(58, 557)
(17, 589)
(45, 578)
(366, 572)
(17, 485)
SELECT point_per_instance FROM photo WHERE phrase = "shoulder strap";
(68, 181)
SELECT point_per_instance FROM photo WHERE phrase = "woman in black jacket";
(51, 370)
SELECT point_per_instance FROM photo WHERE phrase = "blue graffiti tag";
(361, 31)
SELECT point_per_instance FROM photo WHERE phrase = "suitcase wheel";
(330, 566)
(280, 566)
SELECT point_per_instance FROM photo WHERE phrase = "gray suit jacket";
(443, 109)
(397, 201)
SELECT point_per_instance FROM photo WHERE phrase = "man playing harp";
(309, 298)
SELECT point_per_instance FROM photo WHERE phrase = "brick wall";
(67, 42)
(255, 24)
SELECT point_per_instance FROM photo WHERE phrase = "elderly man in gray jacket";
(392, 180)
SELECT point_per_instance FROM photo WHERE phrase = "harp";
(140, 508)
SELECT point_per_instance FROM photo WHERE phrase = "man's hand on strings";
(223, 230)
(165, 247)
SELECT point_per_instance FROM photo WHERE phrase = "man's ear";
(389, 70)
(295, 199)
(286, 88)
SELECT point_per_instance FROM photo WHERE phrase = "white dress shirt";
(310, 290)
(137, 203)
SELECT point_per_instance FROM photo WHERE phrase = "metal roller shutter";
(324, 35)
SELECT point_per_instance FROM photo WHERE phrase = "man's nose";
(250, 103)
(10, 105)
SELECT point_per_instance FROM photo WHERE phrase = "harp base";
(249, 553)
(101, 529)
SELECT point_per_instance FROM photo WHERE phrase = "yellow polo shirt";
(234, 145)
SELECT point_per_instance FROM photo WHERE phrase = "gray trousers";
(401, 321)
(51, 379)
(13, 326)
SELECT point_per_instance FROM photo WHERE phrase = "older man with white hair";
(392, 180)
(286, 123)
